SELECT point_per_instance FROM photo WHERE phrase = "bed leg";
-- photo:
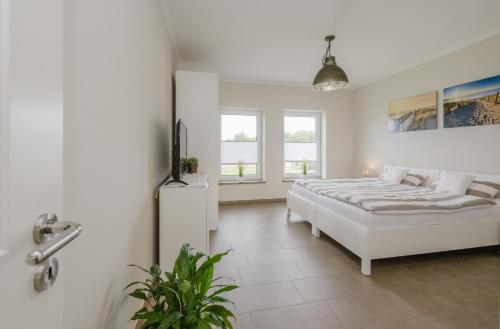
(288, 214)
(315, 231)
(366, 266)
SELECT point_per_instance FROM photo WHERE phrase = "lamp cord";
(327, 53)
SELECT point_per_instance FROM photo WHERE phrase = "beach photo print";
(474, 103)
(413, 113)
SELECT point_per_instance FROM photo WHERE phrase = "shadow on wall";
(117, 306)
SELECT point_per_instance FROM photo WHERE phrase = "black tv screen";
(180, 151)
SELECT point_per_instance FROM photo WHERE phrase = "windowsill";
(291, 180)
(229, 182)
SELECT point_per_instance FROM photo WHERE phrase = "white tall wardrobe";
(197, 105)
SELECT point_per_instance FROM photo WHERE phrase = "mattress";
(390, 221)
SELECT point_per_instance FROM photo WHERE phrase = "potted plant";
(192, 165)
(304, 168)
(241, 169)
(186, 298)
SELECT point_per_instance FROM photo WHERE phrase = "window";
(241, 145)
(302, 141)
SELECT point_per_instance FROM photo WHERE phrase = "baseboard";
(252, 201)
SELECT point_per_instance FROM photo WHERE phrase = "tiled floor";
(291, 280)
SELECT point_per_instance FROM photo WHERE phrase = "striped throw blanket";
(379, 196)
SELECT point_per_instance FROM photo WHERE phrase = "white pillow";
(395, 175)
(455, 183)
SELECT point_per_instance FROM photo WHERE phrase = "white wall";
(468, 149)
(273, 100)
(117, 136)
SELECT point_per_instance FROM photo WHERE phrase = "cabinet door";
(183, 219)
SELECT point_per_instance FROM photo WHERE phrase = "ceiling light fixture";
(331, 76)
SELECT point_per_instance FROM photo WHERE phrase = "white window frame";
(260, 142)
(319, 136)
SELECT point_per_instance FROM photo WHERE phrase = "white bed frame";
(371, 244)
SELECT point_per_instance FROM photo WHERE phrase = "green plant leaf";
(211, 261)
(224, 289)
(203, 324)
(141, 268)
(155, 271)
(218, 310)
(218, 299)
(185, 298)
(152, 318)
(206, 280)
(196, 258)
(170, 319)
(140, 314)
(182, 264)
(185, 285)
(138, 283)
(228, 324)
(223, 277)
(139, 294)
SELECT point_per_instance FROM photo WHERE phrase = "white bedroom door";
(31, 127)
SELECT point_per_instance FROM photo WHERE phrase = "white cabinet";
(183, 218)
(197, 105)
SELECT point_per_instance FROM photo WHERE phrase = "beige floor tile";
(479, 264)
(438, 270)
(268, 220)
(427, 322)
(453, 290)
(270, 273)
(235, 237)
(262, 297)
(377, 308)
(243, 321)
(466, 318)
(332, 286)
(242, 247)
(265, 226)
(303, 239)
(227, 277)
(321, 252)
(305, 316)
(232, 261)
(272, 257)
(394, 277)
(318, 267)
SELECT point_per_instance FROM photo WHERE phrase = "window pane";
(301, 151)
(234, 152)
(239, 128)
(302, 143)
(240, 143)
(300, 129)
(232, 170)
(297, 168)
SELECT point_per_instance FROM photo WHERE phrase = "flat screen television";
(179, 152)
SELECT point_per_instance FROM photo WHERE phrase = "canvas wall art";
(413, 113)
(472, 104)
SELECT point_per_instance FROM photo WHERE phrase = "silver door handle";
(53, 235)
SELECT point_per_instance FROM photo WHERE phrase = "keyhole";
(50, 274)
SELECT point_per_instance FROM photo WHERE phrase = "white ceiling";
(281, 41)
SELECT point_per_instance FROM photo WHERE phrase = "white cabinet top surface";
(194, 180)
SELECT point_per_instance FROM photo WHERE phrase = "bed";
(374, 236)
